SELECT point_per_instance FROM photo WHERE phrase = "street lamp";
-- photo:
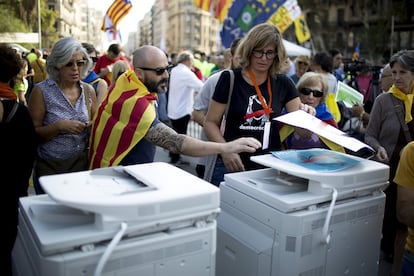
(39, 29)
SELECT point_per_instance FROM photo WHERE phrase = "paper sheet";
(304, 120)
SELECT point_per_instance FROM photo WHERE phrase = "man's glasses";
(303, 63)
(78, 63)
(159, 70)
(259, 54)
(307, 91)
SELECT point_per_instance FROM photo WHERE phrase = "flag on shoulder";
(115, 13)
(124, 115)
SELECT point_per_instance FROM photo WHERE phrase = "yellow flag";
(333, 107)
(301, 29)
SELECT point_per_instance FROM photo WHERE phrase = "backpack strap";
(95, 83)
(12, 112)
(86, 94)
(230, 90)
(223, 121)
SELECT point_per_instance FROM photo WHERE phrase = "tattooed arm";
(165, 137)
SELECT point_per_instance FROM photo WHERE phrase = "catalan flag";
(115, 13)
(218, 8)
(221, 9)
(204, 4)
(122, 120)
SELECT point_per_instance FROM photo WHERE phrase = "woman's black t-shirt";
(244, 101)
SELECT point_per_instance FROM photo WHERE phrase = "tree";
(49, 34)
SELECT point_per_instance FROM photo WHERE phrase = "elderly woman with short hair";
(61, 108)
(312, 88)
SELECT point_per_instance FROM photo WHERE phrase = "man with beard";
(127, 130)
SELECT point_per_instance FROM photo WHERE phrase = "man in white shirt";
(183, 86)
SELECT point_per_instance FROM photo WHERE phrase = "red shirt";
(104, 61)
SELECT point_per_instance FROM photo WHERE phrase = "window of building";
(341, 17)
(340, 39)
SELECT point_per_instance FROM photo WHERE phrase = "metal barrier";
(194, 129)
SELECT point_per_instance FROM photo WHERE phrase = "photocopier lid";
(364, 173)
(89, 206)
(136, 193)
(289, 187)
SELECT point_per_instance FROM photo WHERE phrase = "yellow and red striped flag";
(115, 13)
(218, 8)
(221, 9)
(122, 120)
(203, 4)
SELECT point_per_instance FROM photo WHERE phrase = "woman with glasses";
(61, 108)
(99, 84)
(312, 90)
(259, 94)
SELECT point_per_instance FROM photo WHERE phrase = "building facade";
(380, 27)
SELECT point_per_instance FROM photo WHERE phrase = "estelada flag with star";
(122, 120)
(355, 55)
(115, 13)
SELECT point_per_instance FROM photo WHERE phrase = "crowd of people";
(76, 110)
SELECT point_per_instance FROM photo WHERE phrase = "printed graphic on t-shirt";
(255, 118)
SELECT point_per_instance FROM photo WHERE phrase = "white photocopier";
(149, 219)
(288, 220)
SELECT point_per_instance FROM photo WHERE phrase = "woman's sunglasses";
(307, 91)
(78, 63)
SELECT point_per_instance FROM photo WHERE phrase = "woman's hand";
(230, 156)
(308, 109)
(233, 162)
(382, 155)
(72, 126)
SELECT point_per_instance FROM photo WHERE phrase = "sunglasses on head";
(307, 91)
(78, 63)
(303, 63)
(159, 70)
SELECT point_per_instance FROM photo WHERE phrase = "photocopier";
(149, 219)
(289, 220)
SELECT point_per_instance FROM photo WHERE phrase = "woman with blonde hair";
(302, 64)
(118, 69)
(259, 94)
